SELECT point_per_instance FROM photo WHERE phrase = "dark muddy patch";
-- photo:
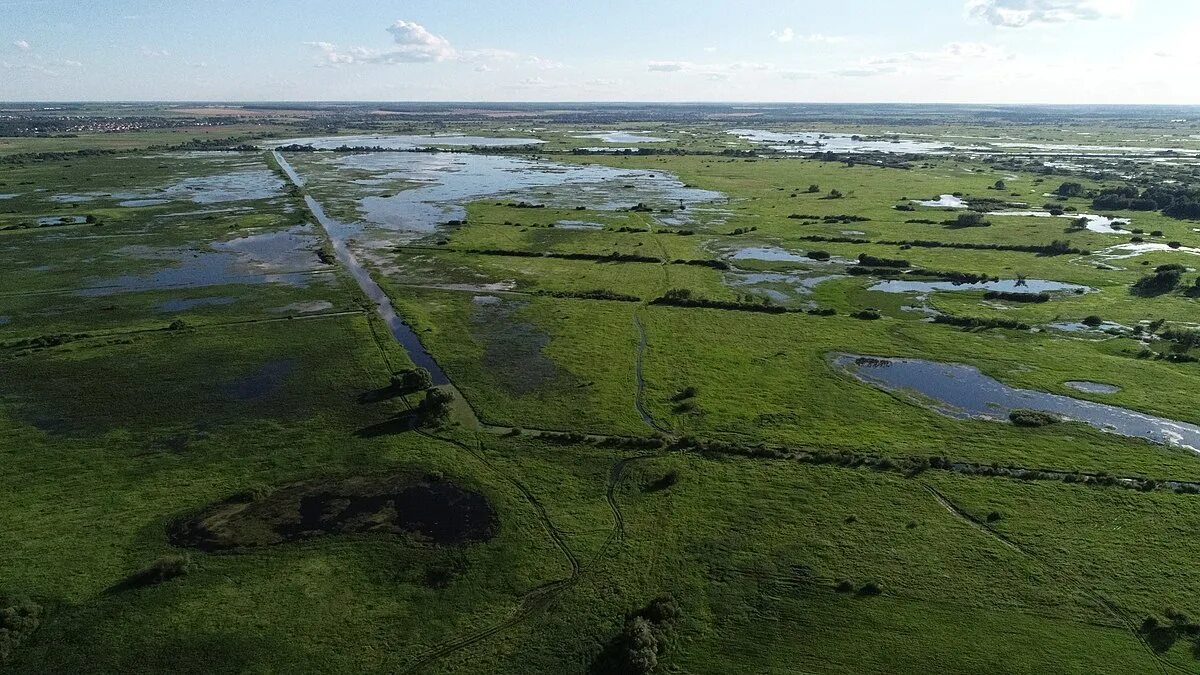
(512, 348)
(427, 509)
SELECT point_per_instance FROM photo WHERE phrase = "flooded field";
(964, 392)
(444, 182)
(407, 142)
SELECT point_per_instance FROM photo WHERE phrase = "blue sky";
(970, 51)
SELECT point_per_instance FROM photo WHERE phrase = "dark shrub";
(164, 569)
(19, 618)
(870, 588)
(1093, 321)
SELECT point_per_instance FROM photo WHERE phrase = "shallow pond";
(1133, 250)
(302, 307)
(622, 137)
(963, 392)
(284, 256)
(1004, 285)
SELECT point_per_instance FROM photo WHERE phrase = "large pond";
(444, 182)
(1004, 285)
(963, 392)
(407, 142)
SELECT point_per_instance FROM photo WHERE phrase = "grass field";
(644, 398)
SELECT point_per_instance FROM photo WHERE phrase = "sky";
(918, 51)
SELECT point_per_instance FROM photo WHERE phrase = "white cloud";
(667, 66)
(544, 64)
(785, 35)
(417, 44)
(819, 38)
(155, 53)
(23, 45)
(1020, 13)
(710, 50)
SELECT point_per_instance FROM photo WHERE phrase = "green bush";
(1033, 418)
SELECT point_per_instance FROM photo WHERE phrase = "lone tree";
(412, 380)
(434, 409)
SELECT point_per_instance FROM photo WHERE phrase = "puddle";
(444, 182)
(945, 201)
(134, 203)
(1092, 387)
(62, 220)
(1080, 327)
(769, 253)
(303, 307)
(407, 142)
(622, 137)
(184, 304)
(434, 510)
(5, 320)
(1004, 285)
(485, 300)
(1101, 224)
(8, 195)
(578, 225)
(963, 392)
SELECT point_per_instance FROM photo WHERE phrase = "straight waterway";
(400, 330)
